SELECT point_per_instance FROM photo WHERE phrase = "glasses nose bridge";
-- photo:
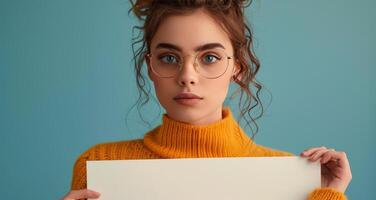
(184, 59)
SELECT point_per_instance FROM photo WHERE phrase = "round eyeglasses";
(210, 64)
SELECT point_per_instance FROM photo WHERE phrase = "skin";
(188, 32)
(81, 194)
(335, 167)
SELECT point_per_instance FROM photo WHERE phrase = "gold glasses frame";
(195, 65)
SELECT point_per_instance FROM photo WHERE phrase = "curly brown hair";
(229, 14)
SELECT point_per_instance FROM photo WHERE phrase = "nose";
(188, 74)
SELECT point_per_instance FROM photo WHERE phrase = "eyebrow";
(199, 48)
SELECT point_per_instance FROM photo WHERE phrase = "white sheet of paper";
(231, 178)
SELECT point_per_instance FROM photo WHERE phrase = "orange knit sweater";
(173, 139)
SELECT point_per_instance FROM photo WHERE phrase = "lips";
(187, 96)
(188, 99)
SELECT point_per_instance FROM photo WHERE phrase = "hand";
(81, 194)
(335, 167)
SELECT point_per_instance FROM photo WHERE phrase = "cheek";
(217, 90)
(162, 89)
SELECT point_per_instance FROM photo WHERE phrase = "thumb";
(84, 193)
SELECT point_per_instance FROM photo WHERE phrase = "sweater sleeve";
(79, 170)
(326, 194)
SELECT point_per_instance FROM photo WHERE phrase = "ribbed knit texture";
(326, 193)
(173, 139)
(223, 138)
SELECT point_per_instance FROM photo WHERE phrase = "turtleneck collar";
(223, 138)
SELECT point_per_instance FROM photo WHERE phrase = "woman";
(194, 49)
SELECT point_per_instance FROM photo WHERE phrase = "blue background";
(66, 83)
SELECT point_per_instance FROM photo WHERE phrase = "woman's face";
(186, 33)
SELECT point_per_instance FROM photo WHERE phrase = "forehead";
(191, 30)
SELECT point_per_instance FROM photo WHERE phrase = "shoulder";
(102, 151)
(261, 150)
(111, 150)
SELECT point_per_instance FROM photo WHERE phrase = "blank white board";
(230, 178)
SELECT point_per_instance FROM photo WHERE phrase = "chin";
(185, 114)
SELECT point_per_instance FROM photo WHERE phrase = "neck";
(210, 118)
(222, 138)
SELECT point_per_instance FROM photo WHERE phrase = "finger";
(339, 158)
(84, 193)
(326, 157)
(311, 148)
(308, 152)
(318, 154)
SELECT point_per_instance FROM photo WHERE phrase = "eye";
(209, 58)
(169, 59)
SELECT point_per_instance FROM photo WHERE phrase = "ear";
(147, 60)
(236, 70)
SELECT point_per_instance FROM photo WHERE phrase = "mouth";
(188, 99)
